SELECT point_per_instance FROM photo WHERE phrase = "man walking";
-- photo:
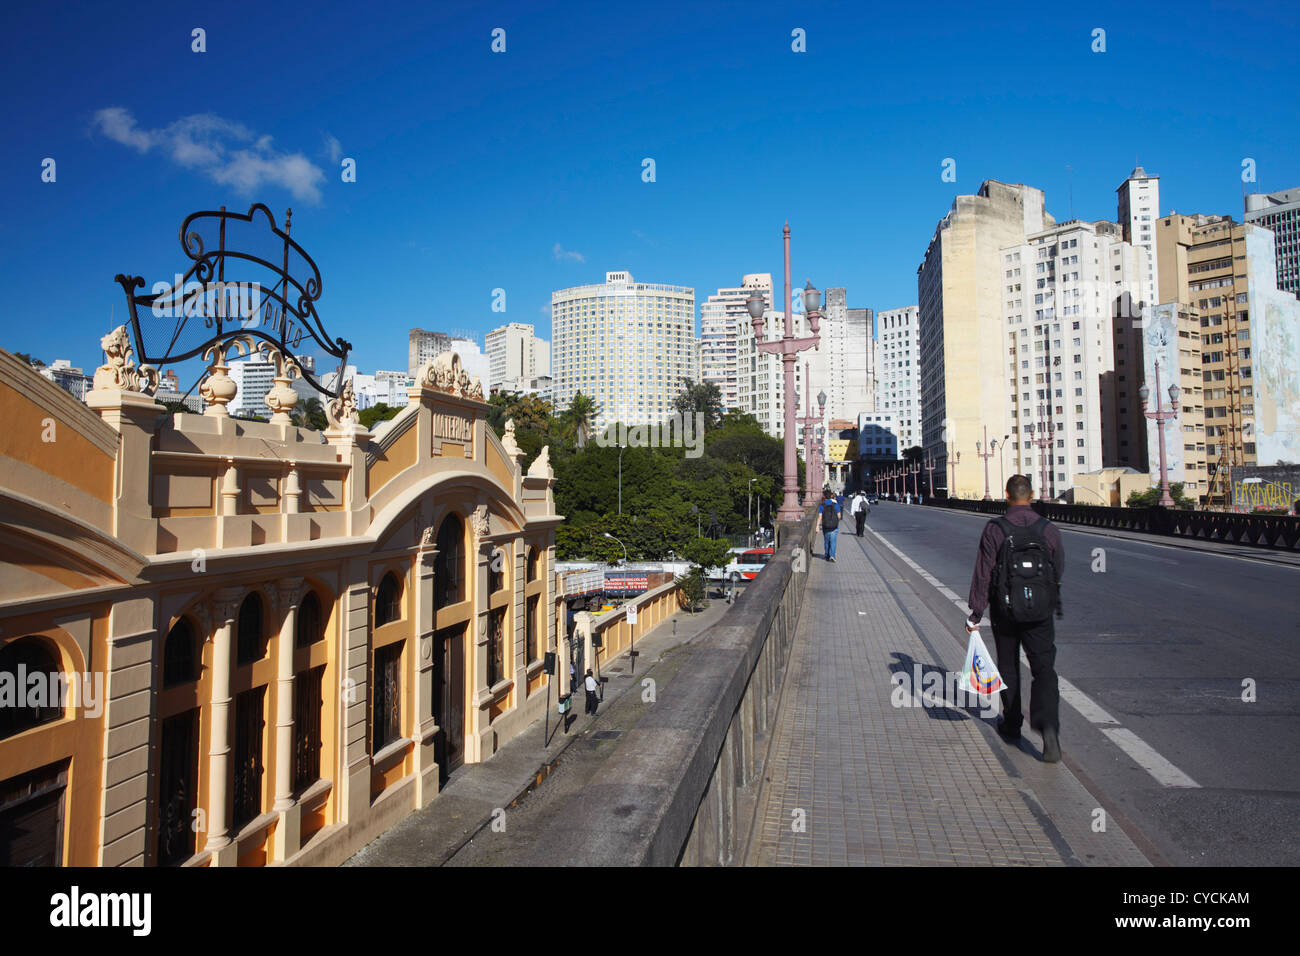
(828, 522)
(592, 700)
(1017, 577)
(859, 510)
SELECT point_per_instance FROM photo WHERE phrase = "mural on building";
(1160, 343)
(1275, 351)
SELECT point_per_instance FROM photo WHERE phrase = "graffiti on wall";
(1250, 495)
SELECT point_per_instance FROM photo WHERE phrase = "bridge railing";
(1267, 531)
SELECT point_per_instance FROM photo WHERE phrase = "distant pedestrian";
(828, 521)
(1018, 573)
(859, 510)
(592, 700)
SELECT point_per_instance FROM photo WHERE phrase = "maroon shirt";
(991, 543)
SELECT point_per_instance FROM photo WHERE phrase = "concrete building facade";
(626, 344)
(512, 353)
(844, 364)
(898, 372)
(723, 320)
(960, 295)
(1062, 362)
(1280, 213)
(1138, 209)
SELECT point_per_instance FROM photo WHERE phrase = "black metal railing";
(1267, 531)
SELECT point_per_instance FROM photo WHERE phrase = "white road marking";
(1165, 773)
(1146, 757)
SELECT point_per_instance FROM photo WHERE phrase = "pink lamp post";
(811, 452)
(954, 459)
(929, 466)
(788, 347)
(915, 470)
(1160, 416)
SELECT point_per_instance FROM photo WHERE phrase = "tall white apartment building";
(1138, 210)
(898, 372)
(842, 366)
(423, 346)
(627, 344)
(1280, 213)
(254, 379)
(723, 320)
(512, 354)
(761, 378)
(1059, 292)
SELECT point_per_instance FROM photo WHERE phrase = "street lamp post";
(929, 466)
(749, 499)
(1002, 464)
(620, 479)
(1044, 443)
(788, 347)
(986, 452)
(811, 466)
(954, 459)
(915, 469)
(621, 544)
(1160, 416)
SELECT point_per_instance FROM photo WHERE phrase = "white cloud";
(563, 254)
(333, 148)
(227, 152)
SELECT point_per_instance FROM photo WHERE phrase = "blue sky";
(522, 170)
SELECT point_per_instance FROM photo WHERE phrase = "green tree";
(700, 397)
(691, 589)
(707, 552)
(310, 413)
(579, 418)
(382, 412)
(1151, 497)
(25, 357)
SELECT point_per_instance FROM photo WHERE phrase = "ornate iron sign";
(269, 293)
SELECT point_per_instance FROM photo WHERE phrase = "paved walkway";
(465, 806)
(859, 775)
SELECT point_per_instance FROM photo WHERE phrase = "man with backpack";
(828, 521)
(1017, 578)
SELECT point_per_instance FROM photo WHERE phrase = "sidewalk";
(874, 783)
(464, 808)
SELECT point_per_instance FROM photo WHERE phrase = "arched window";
(449, 567)
(252, 640)
(33, 704)
(309, 628)
(534, 565)
(388, 602)
(180, 655)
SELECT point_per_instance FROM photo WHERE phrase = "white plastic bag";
(979, 675)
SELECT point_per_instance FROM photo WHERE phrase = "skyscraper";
(1280, 213)
(627, 344)
(512, 354)
(960, 286)
(422, 346)
(723, 319)
(842, 367)
(898, 373)
(1138, 209)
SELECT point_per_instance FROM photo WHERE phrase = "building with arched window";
(240, 643)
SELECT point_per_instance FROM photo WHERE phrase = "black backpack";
(830, 515)
(1025, 587)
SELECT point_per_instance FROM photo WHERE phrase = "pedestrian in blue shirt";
(828, 521)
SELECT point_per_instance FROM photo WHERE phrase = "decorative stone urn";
(282, 398)
(219, 389)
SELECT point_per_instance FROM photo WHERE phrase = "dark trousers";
(592, 701)
(861, 517)
(1039, 642)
